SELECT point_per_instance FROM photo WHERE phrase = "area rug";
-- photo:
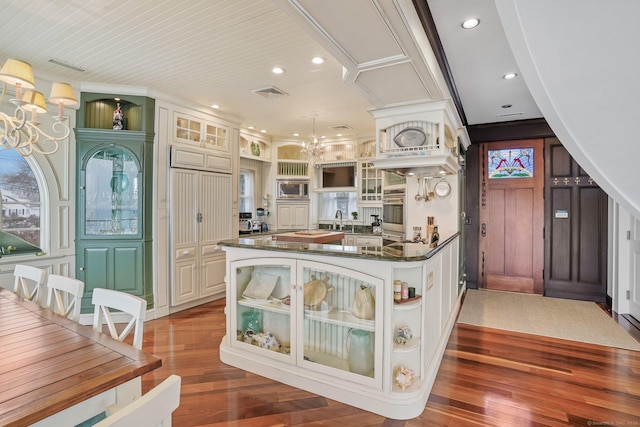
(552, 317)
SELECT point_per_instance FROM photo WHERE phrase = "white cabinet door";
(293, 216)
(370, 188)
(285, 216)
(301, 216)
(260, 305)
(200, 217)
(340, 322)
(197, 131)
(213, 271)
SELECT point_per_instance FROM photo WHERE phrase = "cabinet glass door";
(341, 327)
(262, 322)
(112, 204)
(371, 183)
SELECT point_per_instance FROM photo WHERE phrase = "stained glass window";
(510, 163)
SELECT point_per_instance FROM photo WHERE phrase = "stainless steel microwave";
(292, 189)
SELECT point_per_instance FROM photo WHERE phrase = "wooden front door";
(511, 216)
(575, 228)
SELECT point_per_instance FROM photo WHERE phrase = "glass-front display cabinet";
(112, 203)
(263, 298)
(317, 316)
(341, 326)
(113, 209)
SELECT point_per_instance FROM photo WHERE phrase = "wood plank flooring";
(488, 377)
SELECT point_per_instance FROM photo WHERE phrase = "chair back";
(65, 296)
(29, 282)
(153, 409)
(106, 299)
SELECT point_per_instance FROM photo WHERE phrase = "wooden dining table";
(54, 371)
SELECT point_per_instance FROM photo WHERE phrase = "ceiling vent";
(268, 92)
(341, 127)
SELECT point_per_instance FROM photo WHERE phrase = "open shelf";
(340, 318)
(411, 345)
(274, 306)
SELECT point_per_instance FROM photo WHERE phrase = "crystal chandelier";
(17, 131)
(313, 149)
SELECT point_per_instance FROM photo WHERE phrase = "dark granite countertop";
(399, 252)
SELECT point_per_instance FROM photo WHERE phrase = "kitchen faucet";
(338, 214)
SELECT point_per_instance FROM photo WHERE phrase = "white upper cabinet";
(200, 132)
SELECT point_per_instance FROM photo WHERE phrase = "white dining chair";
(135, 307)
(65, 296)
(153, 409)
(29, 282)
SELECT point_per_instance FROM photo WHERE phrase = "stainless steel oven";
(393, 212)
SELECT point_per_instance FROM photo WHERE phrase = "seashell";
(315, 291)
(266, 340)
(404, 377)
(403, 334)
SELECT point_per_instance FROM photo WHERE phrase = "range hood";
(421, 140)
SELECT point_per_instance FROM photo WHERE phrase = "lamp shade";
(62, 93)
(15, 71)
(34, 99)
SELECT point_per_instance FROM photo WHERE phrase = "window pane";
(330, 203)
(510, 163)
(20, 223)
(246, 203)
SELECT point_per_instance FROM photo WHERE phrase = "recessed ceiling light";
(277, 70)
(250, 127)
(116, 99)
(507, 105)
(296, 134)
(338, 134)
(470, 23)
(318, 60)
(216, 106)
(510, 76)
(263, 130)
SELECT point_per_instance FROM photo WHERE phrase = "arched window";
(20, 206)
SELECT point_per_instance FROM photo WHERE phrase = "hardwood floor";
(488, 377)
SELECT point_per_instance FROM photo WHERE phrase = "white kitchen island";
(313, 337)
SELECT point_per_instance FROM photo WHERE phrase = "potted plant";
(354, 215)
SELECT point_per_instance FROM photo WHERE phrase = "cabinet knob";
(81, 268)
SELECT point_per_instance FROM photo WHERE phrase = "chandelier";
(313, 149)
(17, 131)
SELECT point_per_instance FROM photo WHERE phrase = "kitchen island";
(324, 318)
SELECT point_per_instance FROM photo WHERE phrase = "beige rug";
(552, 317)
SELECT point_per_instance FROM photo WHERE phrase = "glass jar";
(360, 352)
(251, 322)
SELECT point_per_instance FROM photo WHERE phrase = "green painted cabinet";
(114, 181)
